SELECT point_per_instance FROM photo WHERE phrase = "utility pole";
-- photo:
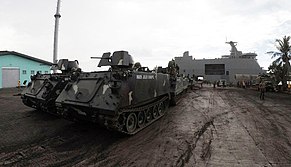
(57, 18)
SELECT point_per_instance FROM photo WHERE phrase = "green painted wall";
(24, 65)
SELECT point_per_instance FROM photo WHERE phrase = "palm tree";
(276, 71)
(283, 58)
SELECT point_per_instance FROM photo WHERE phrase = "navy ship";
(225, 68)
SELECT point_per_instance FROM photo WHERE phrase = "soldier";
(172, 68)
(262, 88)
(137, 66)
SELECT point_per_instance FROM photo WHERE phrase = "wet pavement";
(208, 127)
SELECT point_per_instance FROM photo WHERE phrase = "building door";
(10, 77)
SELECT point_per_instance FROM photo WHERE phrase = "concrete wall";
(23, 64)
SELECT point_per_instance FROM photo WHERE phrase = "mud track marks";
(71, 146)
(266, 123)
(206, 150)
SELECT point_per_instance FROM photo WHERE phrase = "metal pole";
(57, 17)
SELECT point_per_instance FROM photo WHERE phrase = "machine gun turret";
(66, 66)
(119, 59)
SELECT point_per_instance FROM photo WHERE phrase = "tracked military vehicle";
(178, 84)
(43, 89)
(124, 98)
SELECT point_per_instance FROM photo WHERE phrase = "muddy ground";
(208, 127)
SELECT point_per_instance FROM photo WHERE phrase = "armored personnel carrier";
(181, 85)
(124, 98)
(43, 89)
(178, 84)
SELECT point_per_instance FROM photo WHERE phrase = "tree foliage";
(276, 70)
(281, 65)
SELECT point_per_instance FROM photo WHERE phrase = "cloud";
(153, 31)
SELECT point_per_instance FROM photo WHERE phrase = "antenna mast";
(57, 17)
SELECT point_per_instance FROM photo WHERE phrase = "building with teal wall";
(16, 67)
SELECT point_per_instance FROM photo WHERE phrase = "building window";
(227, 72)
(39, 72)
(24, 72)
(46, 72)
(32, 72)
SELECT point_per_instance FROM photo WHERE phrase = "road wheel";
(161, 108)
(156, 112)
(131, 123)
(149, 115)
(141, 118)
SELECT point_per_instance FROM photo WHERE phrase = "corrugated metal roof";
(3, 53)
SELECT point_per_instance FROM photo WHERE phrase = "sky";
(152, 31)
